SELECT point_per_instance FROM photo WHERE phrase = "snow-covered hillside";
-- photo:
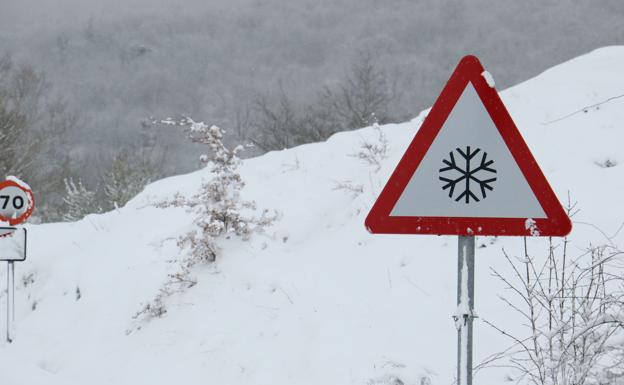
(315, 299)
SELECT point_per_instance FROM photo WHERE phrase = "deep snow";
(316, 299)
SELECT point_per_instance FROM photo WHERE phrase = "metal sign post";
(10, 299)
(465, 308)
(12, 249)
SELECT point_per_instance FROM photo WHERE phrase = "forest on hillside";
(83, 84)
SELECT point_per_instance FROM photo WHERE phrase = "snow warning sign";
(468, 171)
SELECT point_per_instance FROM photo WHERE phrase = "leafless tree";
(33, 128)
(364, 96)
(275, 123)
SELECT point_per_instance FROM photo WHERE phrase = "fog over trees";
(274, 73)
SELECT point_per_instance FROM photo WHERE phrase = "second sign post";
(17, 203)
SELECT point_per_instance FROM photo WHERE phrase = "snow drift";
(315, 299)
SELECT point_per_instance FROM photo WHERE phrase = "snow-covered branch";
(572, 308)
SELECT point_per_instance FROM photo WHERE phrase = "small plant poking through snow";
(607, 163)
(386, 380)
(374, 153)
(218, 208)
(347, 185)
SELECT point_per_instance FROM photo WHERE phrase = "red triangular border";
(379, 220)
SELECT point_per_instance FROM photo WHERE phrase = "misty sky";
(118, 62)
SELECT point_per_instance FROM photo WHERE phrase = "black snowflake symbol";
(467, 174)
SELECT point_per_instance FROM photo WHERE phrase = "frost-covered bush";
(572, 310)
(218, 207)
(78, 201)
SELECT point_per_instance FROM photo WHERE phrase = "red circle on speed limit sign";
(17, 202)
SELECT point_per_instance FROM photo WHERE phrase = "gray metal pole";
(8, 303)
(12, 291)
(465, 308)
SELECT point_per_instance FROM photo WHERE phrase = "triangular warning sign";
(468, 171)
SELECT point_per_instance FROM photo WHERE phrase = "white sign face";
(13, 246)
(468, 171)
(14, 202)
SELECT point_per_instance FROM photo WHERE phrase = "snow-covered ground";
(316, 299)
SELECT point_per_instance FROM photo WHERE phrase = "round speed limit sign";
(16, 201)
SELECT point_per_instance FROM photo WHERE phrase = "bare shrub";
(350, 187)
(176, 283)
(371, 152)
(276, 124)
(78, 201)
(572, 309)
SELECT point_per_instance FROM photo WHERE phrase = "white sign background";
(13, 247)
(10, 207)
(468, 124)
